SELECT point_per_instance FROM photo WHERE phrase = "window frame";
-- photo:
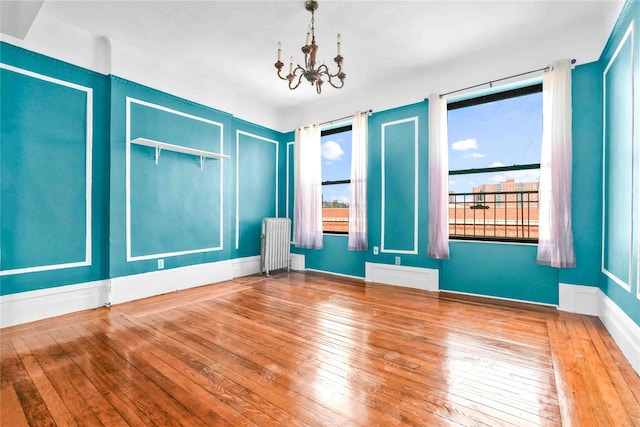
(327, 132)
(484, 99)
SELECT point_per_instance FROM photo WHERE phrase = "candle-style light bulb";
(291, 66)
(306, 43)
(338, 44)
(279, 50)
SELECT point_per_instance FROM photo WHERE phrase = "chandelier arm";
(280, 75)
(325, 68)
(337, 87)
(293, 77)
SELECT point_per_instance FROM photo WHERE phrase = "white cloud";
(496, 165)
(474, 156)
(465, 144)
(331, 150)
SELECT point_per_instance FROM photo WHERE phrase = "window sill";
(499, 242)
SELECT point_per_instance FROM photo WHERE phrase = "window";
(336, 179)
(494, 166)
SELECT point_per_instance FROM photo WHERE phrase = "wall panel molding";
(289, 194)
(88, 171)
(617, 170)
(276, 157)
(383, 198)
(129, 101)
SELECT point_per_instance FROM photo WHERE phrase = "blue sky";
(501, 133)
(336, 165)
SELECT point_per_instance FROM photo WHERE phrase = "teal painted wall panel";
(335, 257)
(621, 241)
(399, 151)
(43, 172)
(154, 123)
(289, 170)
(175, 207)
(499, 270)
(258, 163)
(399, 221)
(618, 163)
(587, 175)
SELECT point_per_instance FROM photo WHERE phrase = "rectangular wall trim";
(383, 148)
(251, 135)
(129, 101)
(44, 303)
(287, 193)
(626, 284)
(400, 275)
(88, 172)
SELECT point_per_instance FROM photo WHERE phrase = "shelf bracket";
(158, 149)
(202, 161)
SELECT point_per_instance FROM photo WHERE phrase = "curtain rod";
(330, 122)
(491, 82)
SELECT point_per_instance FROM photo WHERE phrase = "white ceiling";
(221, 53)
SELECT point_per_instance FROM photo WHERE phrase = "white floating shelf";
(159, 146)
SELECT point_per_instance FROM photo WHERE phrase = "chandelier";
(314, 75)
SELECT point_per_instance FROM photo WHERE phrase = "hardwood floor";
(297, 349)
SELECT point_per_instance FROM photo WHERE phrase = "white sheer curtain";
(555, 241)
(307, 211)
(438, 246)
(358, 202)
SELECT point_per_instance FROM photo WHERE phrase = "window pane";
(499, 133)
(336, 166)
(336, 156)
(335, 208)
(496, 205)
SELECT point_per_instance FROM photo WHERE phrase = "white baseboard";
(625, 332)
(400, 275)
(36, 305)
(333, 273)
(246, 266)
(297, 262)
(138, 286)
(578, 299)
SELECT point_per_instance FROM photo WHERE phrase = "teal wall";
(587, 175)
(619, 79)
(494, 269)
(258, 183)
(177, 211)
(334, 257)
(54, 117)
(189, 216)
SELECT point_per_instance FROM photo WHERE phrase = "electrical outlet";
(397, 260)
(160, 264)
(375, 250)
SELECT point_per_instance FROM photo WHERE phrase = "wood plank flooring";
(298, 350)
